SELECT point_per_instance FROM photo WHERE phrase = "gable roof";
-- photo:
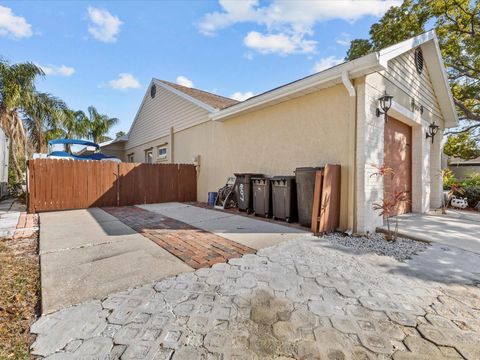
(213, 100)
(364, 65)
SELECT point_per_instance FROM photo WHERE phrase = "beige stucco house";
(328, 117)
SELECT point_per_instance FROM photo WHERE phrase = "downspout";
(171, 146)
(353, 94)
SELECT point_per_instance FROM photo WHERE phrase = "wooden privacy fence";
(69, 184)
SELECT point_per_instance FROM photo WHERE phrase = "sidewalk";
(459, 229)
(14, 221)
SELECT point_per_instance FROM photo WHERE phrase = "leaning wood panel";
(317, 199)
(330, 207)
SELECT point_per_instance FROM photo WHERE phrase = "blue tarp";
(96, 156)
(73, 142)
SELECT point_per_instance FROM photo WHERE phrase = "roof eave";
(355, 69)
(197, 102)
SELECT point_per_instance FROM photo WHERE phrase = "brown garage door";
(398, 156)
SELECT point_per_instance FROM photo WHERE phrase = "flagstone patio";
(301, 299)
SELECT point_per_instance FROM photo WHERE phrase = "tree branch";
(462, 131)
(469, 115)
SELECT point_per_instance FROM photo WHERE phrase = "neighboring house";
(328, 117)
(463, 168)
(4, 157)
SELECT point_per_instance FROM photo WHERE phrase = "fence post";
(117, 175)
(30, 186)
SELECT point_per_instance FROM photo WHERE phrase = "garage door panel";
(398, 156)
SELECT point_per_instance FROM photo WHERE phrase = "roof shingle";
(215, 101)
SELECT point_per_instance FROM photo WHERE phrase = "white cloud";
(292, 19)
(239, 96)
(278, 43)
(13, 25)
(104, 26)
(344, 39)
(184, 81)
(326, 63)
(125, 81)
(61, 70)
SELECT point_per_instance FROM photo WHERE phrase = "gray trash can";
(305, 180)
(284, 201)
(262, 196)
(243, 191)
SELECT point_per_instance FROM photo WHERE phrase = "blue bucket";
(212, 196)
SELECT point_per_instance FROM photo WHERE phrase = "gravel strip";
(402, 249)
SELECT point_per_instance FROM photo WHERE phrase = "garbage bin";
(305, 179)
(262, 199)
(243, 191)
(212, 197)
(284, 201)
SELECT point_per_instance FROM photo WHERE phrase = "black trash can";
(262, 196)
(243, 191)
(284, 201)
(305, 179)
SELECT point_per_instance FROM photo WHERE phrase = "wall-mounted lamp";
(432, 130)
(385, 103)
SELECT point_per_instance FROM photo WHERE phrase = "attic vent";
(419, 60)
(153, 91)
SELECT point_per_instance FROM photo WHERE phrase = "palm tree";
(75, 124)
(17, 89)
(99, 125)
(43, 117)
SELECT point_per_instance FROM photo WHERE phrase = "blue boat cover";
(96, 156)
(73, 142)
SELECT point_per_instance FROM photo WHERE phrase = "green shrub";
(472, 193)
(448, 179)
(472, 179)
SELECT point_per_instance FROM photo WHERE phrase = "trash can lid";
(247, 174)
(309, 168)
(282, 177)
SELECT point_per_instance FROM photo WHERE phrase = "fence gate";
(55, 184)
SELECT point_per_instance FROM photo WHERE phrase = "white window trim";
(147, 151)
(162, 157)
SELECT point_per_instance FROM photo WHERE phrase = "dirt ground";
(19, 295)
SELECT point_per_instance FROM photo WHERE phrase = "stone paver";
(301, 299)
(27, 225)
(196, 247)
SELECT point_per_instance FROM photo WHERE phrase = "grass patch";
(19, 296)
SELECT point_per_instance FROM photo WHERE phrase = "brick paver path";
(27, 226)
(196, 247)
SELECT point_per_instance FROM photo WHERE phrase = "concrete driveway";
(88, 254)
(460, 229)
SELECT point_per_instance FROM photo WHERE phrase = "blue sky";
(105, 53)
